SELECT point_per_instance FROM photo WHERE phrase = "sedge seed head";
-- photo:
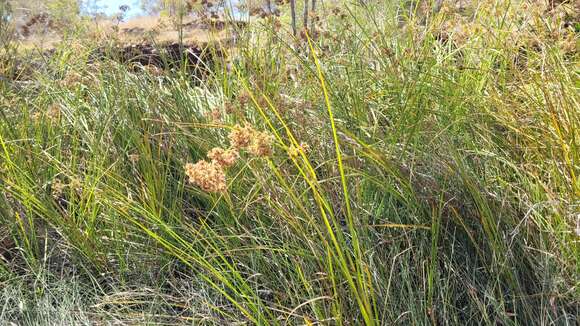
(223, 157)
(76, 184)
(215, 115)
(53, 112)
(241, 137)
(134, 158)
(57, 188)
(244, 98)
(208, 176)
(261, 145)
(294, 151)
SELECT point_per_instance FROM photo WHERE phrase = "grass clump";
(396, 164)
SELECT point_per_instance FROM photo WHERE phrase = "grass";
(423, 169)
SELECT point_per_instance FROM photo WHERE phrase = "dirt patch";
(148, 41)
(40, 32)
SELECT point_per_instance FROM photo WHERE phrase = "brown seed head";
(57, 188)
(134, 158)
(241, 137)
(261, 145)
(244, 98)
(208, 176)
(223, 157)
(215, 115)
(53, 112)
(76, 184)
(229, 107)
(294, 151)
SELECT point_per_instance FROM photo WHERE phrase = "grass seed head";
(229, 107)
(134, 158)
(53, 112)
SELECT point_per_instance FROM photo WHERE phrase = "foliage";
(393, 164)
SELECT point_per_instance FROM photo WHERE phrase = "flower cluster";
(541, 23)
(57, 188)
(241, 137)
(210, 176)
(223, 157)
(256, 142)
(261, 144)
(215, 115)
(53, 112)
(294, 151)
(76, 185)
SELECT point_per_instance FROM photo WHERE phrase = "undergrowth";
(392, 165)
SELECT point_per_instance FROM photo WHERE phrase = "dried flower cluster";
(223, 157)
(209, 176)
(229, 107)
(256, 142)
(241, 137)
(540, 22)
(36, 117)
(57, 188)
(76, 184)
(294, 151)
(153, 70)
(71, 79)
(261, 144)
(53, 112)
(134, 158)
(244, 98)
(215, 115)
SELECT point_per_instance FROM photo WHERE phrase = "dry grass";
(400, 166)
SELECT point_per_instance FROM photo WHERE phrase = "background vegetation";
(419, 165)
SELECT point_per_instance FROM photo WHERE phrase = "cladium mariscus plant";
(393, 163)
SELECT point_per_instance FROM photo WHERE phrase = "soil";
(149, 41)
(41, 32)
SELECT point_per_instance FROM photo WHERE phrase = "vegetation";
(395, 163)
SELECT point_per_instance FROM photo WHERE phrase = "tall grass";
(424, 170)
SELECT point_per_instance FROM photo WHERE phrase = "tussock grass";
(423, 169)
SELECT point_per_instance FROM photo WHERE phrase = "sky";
(111, 7)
